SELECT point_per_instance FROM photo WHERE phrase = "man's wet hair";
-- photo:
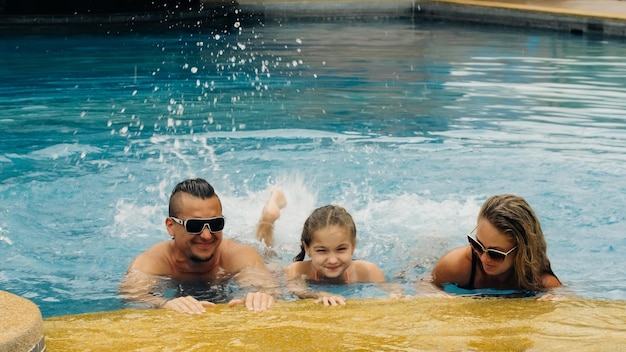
(196, 187)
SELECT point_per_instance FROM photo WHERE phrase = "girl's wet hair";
(196, 187)
(322, 217)
(514, 217)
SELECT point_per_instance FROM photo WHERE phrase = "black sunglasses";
(493, 254)
(196, 226)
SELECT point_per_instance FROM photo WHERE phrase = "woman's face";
(491, 238)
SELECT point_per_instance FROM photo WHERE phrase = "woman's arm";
(550, 281)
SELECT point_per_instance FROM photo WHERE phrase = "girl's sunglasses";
(196, 226)
(493, 254)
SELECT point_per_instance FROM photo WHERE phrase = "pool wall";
(525, 15)
(602, 17)
(544, 15)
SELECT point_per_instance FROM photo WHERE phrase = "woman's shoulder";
(453, 267)
(457, 256)
(549, 280)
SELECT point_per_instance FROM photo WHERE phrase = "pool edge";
(563, 17)
(529, 16)
(22, 325)
(502, 13)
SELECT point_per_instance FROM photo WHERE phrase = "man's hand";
(188, 305)
(256, 301)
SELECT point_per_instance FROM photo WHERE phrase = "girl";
(329, 239)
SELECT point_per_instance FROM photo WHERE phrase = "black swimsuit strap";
(470, 285)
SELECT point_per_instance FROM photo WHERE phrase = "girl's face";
(331, 251)
(490, 237)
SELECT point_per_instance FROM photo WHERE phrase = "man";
(197, 253)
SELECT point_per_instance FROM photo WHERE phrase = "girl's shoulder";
(365, 271)
(360, 264)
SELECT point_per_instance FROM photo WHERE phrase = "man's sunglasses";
(493, 254)
(196, 226)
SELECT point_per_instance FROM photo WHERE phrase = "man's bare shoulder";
(154, 260)
(232, 247)
(235, 256)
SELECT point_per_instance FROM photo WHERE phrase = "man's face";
(203, 246)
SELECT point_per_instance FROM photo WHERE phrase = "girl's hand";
(330, 300)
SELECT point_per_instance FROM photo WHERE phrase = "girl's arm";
(296, 283)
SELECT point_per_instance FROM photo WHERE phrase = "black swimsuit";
(514, 294)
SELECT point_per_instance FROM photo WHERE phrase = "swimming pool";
(409, 126)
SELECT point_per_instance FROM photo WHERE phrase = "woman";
(508, 251)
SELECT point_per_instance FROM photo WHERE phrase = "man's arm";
(144, 288)
(140, 287)
(251, 273)
(146, 280)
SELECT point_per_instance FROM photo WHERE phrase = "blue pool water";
(409, 126)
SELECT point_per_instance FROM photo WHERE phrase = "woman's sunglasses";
(196, 226)
(493, 254)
